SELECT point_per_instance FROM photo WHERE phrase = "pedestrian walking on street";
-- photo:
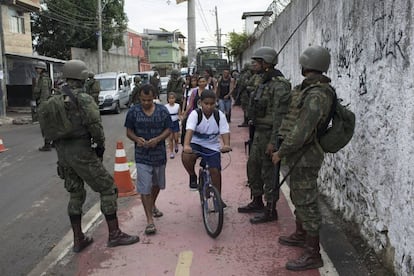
(308, 114)
(225, 87)
(41, 92)
(79, 163)
(175, 113)
(269, 104)
(148, 125)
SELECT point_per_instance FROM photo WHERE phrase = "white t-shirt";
(173, 110)
(208, 129)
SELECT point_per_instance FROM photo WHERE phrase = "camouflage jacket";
(93, 88)
(270, 102)
(308, 111)
(43, 88)
(176, 86)
(85, 116)
(135, 94)
(243, 82)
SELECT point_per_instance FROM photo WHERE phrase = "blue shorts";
(175, 126)
(148, 176)
(213, 160)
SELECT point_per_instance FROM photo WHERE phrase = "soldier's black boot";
(253, 207)
(116, 236)
(295, 239)
(310, 259)
(269, 214)
(46, 147)
(80, 241)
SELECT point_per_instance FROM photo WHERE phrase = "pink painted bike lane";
(181, 246)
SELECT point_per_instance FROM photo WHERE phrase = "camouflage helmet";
(175, 72)
(91, 75)
(315, 58)
(137, 79)
(41, 65)
(75, 69)
(268, 55)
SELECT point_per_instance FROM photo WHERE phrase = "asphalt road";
(33, 201)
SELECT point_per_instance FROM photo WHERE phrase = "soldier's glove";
(100, 151)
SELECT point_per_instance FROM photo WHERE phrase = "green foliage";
(237, 43)
(63, 24)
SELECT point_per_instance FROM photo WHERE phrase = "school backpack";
(53, 118)
(339, 128)
(216, 115)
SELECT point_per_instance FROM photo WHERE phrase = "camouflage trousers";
(304, 195)
(78, 164)
(260, 169)
(244, 101)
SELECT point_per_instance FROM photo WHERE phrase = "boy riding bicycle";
(202, 135)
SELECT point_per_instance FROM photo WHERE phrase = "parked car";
(164, 83)
(115, 91)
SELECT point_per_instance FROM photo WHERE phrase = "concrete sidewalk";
(181, 246)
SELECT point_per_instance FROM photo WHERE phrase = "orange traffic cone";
(2, 148)
(122, 175)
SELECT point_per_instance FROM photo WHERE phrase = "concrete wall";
(111, 62)
(371, 43)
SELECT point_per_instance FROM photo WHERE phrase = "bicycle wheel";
(212, 212)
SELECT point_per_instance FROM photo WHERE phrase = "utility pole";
(191, 28)
(3, 68)
(217, 28)
(100, 57)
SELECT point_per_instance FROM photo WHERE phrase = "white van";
(115, 91)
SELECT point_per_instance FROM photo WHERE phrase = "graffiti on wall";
(362, 89)
(348, 53)
(388, 35)
(389, 45)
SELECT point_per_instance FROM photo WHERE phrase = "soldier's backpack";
(53, 118)
(339, 128)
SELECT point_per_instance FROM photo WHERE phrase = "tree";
(63, 24)
(237, 43)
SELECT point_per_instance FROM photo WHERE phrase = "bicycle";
(210, 199)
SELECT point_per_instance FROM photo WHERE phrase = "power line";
(65, 21)
(92, 12)
(69, 14)
(203, 17)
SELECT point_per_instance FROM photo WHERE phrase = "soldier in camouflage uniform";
(134, 99)
(269, 104)
(176, 85)
(308, 113)
(78, 162)
(41, 92)
(93, 87)
(244, 94)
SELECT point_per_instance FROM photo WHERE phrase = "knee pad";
(109, 201)
(76, 202)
